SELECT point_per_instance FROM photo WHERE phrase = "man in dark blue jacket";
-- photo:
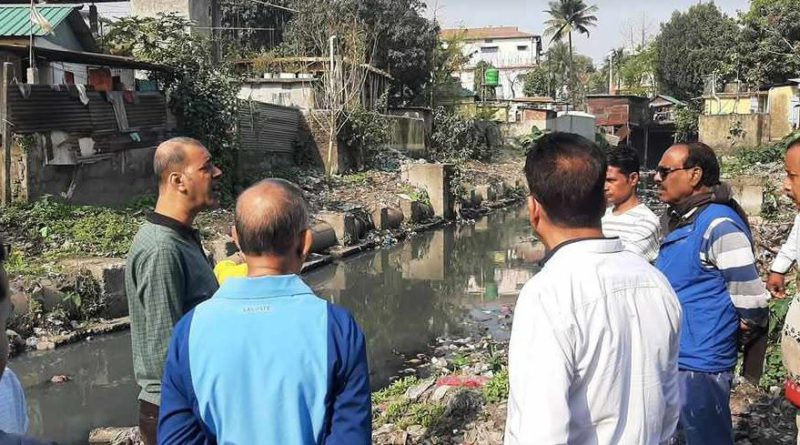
(265, 360)
(707, 256)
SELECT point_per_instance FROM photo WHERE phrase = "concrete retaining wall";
(434, 179)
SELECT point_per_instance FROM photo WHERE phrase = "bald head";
(270, 218)
(171, 157)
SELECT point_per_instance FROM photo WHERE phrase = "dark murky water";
(403, 297)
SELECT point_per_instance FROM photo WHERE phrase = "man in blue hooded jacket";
(707, 256)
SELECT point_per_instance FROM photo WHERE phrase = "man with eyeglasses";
(707, 256)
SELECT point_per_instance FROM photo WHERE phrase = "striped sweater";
(639, 230)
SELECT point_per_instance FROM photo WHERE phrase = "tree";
(538, 82)
(635, 72)
(483, 92)
(637, 32)
(694, 44)
(202, 95)
(405, 45)
(252, 27)
(551, 79)
(567, 16)
(448, 59)
(769, 44)
(404, 40)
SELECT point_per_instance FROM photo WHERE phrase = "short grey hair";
(270, 225)
(171, 156)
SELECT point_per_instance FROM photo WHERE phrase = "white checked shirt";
(594, 350)
(13, 409)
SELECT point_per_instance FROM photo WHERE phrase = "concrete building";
(204, 13)
(741, 116)
(508, 49)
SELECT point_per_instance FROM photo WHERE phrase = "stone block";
(486, 192)
(385, 217)
(435, 179)
(412, 210)
(110, 275)
(749, 193)
(343, 225)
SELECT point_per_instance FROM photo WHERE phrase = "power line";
(234, 28)
(274, 6)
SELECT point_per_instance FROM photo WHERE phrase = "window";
(489, 49)
(522, 47)
(489, 41)
(69, 78)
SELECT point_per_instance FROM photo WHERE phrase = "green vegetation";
(496, 389)
(47, 230)
(566, 17)
(201, 93)
(457, 138)
(774, 372)
(394, 390)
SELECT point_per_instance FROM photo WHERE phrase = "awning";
(63, 55)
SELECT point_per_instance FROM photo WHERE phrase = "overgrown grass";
(47, 230)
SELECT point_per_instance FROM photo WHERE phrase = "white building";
(508, 49)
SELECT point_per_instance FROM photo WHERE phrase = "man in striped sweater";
(626, 217)
(707, 256)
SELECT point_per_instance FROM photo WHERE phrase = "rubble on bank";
(457, 394)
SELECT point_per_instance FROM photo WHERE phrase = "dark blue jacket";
(710, 320)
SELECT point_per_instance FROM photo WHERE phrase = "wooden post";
(5, 133)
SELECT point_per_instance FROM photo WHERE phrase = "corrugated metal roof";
(15, 20)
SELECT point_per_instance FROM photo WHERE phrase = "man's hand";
(776, 285)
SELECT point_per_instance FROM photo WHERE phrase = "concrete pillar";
(385, 217)
(435, 179)
(749, 193)
(343, 225)
(485, 192)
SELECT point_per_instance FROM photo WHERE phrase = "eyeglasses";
(665, 171)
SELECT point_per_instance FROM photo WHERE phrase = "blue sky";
(614, 16)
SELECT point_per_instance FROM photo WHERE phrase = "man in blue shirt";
(265, 360)
(707, 256)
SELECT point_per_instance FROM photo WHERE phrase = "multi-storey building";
(511, 51)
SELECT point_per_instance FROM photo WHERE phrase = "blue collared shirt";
(266, 361)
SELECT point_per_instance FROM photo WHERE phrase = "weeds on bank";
(396, 389)
(496, 389)
(47, 230)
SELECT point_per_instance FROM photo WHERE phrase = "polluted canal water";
(403, 297)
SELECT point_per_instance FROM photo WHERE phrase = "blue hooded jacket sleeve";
(351, 413)
(179, 419)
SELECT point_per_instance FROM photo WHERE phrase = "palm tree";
(567, 16)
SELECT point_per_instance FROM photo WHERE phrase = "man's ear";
(235, 236)
(634, 178)
(176, 180)
(534, 210)
(306, 241)
(696, 177)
